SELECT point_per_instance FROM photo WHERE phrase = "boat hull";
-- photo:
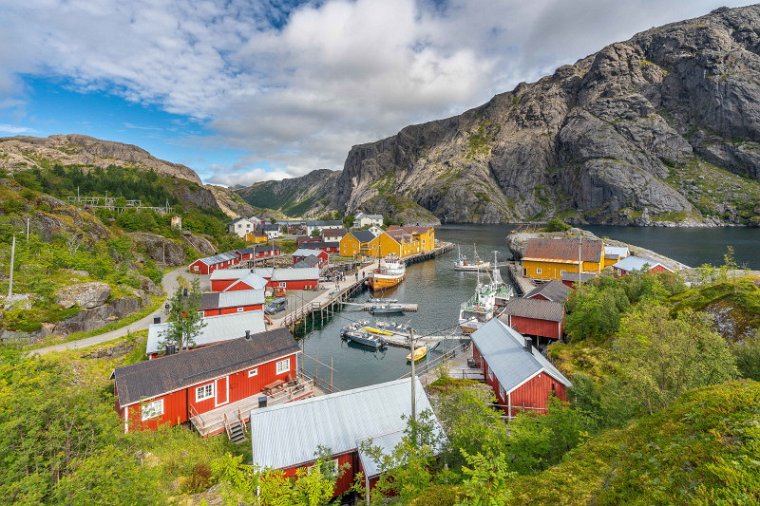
(386, 311)
(378, 283)
(419, 354)
(363, 340)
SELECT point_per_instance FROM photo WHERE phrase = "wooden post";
(13, 260)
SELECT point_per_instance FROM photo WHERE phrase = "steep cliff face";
(309, 196)
(662, 128)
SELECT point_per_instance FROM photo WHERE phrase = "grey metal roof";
(634, 263)
(288, 435)
(535, 308)
(231, 299)
(363, 235)
(217, 329)
(307, 263)
(316, 245)
(386, 442)
(616, 251)
(303, 252)
(554, 290)
(503, 350)
(219, 258)
(295, 274)
(229, 274)
(155, 377)
(253, 280)
(573, 276)
(324, 223)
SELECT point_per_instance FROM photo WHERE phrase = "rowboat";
(379, 332)
(419, 354)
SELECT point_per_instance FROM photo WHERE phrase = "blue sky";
(245, 90)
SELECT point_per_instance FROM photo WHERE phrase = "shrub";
(556, 225)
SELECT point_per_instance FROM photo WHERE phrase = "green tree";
(748, 356)
(487, 480)
(185, 318)
(594, 312)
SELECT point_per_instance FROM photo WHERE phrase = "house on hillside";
(362, 220)
(216, 329)
(320, 226)
(326, 246)
(203, 386)
(614, 254)
(638, 264)
(210, 264)
(359, 243)
(240, 227)
(215, 304)
(333, 234)
(547, 259)
(535, 318)
(554, 291)
(287, 437)
(222, 279)
(266, 251)
(271, 230)
(521, 377)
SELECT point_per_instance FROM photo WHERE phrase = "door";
(222, 391)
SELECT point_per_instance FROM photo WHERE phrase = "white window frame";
(240, 309)
(283, 366)
(283, 284)
(538, 270)
(204, 392)
(152, 409)
(502, 392)
(253, 372)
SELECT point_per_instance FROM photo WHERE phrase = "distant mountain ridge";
(661, 129)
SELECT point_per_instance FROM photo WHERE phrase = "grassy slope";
(701, 450)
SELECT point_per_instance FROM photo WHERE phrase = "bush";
(199, 480)
(556, 225)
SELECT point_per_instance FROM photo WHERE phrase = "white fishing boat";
(462, 263)
(479, 308)
(504, 291)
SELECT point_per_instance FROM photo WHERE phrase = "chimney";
(247, 335)
(171, 349)
(528, 344)
(156, 320)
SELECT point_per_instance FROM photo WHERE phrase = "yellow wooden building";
(359, 243)
(547, 259)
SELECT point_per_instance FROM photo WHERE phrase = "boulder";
(159, 248)
(85, 295)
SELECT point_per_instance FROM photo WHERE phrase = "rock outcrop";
(160, 249)
(309, 196)
(661, 129)
(85, 295)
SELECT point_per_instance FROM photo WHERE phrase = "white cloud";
(14, 129)
(296, 85)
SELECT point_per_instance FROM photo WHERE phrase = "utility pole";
(13, 260)
(414, 378)
(580, 261)
(27, 230)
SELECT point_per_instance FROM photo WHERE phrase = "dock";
(366, 306)
(522, 284)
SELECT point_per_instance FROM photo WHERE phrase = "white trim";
(205, 395)
(126, 419)
(252, 373)
(216, 391)
(277, 367)
(212, 379)
(543, 369)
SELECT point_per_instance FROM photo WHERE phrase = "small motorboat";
(364, 338)
(386, 309)
(419, 354)
(382, 301)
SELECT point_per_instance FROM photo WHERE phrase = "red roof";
(563, 249)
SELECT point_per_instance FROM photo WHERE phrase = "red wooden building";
(535, 317)
(341, 422)
(637, 264)
(210, 264)
(571, 278)
(266, 251)
(222, 279)
(176, 388)
(290, 279)
(521, 377)
(302, 253)
(214, 304)
(326, 246)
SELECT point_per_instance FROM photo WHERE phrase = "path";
(169, 284)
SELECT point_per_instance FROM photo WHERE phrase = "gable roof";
(229, 274)
(535, 308)
(503, 350)
(324, 223)
(252, 280)
(616, 251)
(288, 435)
(307, 262)
(314, 245)
(554, 290)
(563, 249)
(235, 298)
(416, 230)
(573, 276)
(155, 377)
(304, 252)
(362, 235)
(295, 274)
(217, 259)
(634, 263)
(334, 232)
(217, 329)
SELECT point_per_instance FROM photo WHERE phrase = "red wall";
(230, 310)
(349, 473)
(305, 284)
(238, 286)
(220, 285)
(538, 296)
(537, 392)
(536, 327)
(176, 408)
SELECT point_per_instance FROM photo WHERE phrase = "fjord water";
(439, 290)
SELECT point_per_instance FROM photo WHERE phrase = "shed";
(214, 304)
(638, 264)
(535, 317)
(554, 290)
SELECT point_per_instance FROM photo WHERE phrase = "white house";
(271, 230)
(362, 220)
(240, 227)
(320, 225)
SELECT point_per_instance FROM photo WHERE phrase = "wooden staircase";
(235, 428)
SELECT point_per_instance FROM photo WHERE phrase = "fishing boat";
(504, 291)
(419, 354)
(479, 308)
(462, 263)
(389, 273)
(382, 301)
(364, 338)
(386, 309)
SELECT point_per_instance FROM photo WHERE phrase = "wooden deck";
(213, 422)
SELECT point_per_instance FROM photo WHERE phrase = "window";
(283, 366)
(152, 409)
(502, 393)
(204, 392)
(240, 309)
(253, 372)
(538, 270)
(196, 268)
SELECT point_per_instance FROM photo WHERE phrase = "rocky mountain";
(661, 129)
(310, 196)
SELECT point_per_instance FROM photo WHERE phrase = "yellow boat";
(380, 332)
(389, 274)
(419, 354)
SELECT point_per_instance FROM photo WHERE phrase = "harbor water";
(439, 290)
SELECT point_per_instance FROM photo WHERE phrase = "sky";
(244, 91)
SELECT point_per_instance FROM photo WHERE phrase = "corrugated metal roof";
(217, 329)
(317, 245)
(229, 274)
(503, 350)
(232, 299)
(303, 252)
(289, 434)
(386, 442)
(616, 251)
(563, 249)
(324, 223)
(535, 308)
(252, 280)
(554, 290)
(307, 263)
(219, 258)
(634, 263)
(295, 274)
(155, 377)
